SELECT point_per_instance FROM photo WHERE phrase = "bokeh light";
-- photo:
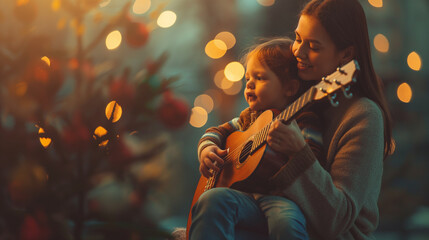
(216, 49)
(234, 89)
(414, 61)
(141, 6)
(218, 78)
(46, 60)
(113, 111)
(404, 93)
(234, 71)
(226, 83)
(45, 141)
(266, 3)
(381, 43)
(56, 5)
(100, 132)
(166, 19)
(198, 117)
(376, 3)
(228, 38)
(104, 3)
(204, 101)
(113, 40)
(21, 2)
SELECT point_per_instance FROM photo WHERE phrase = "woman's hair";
(345, 22)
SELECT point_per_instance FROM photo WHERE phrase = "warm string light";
(414, 61)
(141, 6)
(376, 3)
(204, 101)
(381, 43)
(234, 71)
(113, 111)
(404, 93)
(198, 117)
(166, 19)
(216, 49)
(113, 40)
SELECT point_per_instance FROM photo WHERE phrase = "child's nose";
(250, 84)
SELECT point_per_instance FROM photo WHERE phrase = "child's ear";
(291, 87)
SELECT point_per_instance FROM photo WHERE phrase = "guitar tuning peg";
(346, 92)
(339, 69)
(324, 79)
(332, 100)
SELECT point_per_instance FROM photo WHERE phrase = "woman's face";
(314, 49)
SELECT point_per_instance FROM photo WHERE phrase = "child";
(271, 83)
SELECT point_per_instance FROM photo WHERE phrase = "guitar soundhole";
(245, 152)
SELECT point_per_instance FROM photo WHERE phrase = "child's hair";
(277, 55)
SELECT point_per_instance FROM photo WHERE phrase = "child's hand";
(211, 160)
(286, 139)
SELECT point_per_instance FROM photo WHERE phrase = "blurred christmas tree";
(67, 123)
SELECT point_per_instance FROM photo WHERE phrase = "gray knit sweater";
(340, 201)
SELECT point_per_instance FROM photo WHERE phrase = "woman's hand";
(286, 139)
(211, 160)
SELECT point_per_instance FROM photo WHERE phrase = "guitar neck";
(286, 115)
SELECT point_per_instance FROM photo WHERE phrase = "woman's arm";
(344, 198)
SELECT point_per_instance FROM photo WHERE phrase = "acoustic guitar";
(249, 158)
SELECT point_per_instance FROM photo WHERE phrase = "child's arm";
(213, 141)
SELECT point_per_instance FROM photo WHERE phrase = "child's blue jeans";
(224, 213)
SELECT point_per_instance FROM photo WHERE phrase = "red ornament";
(173, 112)
(136, 34)
(35, 227)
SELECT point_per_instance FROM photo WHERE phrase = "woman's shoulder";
(352, 112)
(364, 107)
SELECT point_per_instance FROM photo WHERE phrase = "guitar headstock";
(342, 78)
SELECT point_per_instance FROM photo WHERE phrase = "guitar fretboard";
(286, 116)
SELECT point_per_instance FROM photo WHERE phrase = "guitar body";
(245, 170)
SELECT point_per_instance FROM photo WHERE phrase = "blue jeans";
(224, 213)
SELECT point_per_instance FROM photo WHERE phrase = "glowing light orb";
(113, 40)
(113, 111)
(234, 71)
(198, 117)
(404, 93)
(414, 61)
(204, 101)
(376, 3)
(381, 43)
(228, 38)
(216, 49)
(166, 19)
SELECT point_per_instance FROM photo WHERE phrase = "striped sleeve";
(217, 135)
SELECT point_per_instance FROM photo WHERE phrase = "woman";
(338, 197)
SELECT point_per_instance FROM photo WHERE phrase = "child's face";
(264, 89)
